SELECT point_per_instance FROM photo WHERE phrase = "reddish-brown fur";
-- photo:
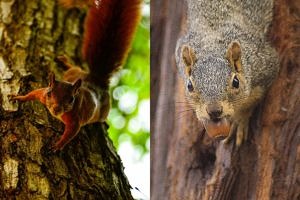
(109, 30)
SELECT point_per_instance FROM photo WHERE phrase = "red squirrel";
(81, 97)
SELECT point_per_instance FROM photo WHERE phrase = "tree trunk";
(186, 164)
(33, 34)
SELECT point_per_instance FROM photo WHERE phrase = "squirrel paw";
(11, 97)
(64, 60)
(242, 133)
(231, 133)
(58, 146)
(15, 97)
(241, 130)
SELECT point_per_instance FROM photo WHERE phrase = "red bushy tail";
(109, 30)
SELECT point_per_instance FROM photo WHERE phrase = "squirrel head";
(215, 85)
(60, 96)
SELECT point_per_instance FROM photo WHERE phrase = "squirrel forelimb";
(72, 127)
(72, 102)
(33, 95)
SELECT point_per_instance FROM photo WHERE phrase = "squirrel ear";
(189, 58)
(51, 79)
(77, 85)
(233, 56)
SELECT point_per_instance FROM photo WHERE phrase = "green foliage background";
(129, 118)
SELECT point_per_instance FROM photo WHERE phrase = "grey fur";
(212, 26)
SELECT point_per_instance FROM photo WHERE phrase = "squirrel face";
(60, 96)
(215, 86)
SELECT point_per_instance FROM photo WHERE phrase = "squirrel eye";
(235, 82)
(190, 86)
(71, 100)
(49, 93)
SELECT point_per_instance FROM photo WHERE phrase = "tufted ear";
(233, 56)
(189, 58)
(51, 79)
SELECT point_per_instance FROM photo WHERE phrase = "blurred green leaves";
(129, 118)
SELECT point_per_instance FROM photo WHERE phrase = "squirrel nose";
(214, 111)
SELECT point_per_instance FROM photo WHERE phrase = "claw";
(239, 135)
(246, 130)
(17, 98)
(58, 146)
(231, 133)
(242, 132)
(12, 96)
(54, 148)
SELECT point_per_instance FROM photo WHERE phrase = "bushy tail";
(109, 29)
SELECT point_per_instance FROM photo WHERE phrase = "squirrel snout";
(214, 111)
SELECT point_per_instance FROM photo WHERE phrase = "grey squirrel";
(227, 62)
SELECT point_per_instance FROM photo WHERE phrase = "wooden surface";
(165, 21)
(33, 34)
(185, 163)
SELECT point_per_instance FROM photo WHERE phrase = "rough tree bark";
(32, 34)
(186, 164)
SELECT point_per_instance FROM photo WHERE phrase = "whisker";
(181, 116)
(183, 111)
(242, 99)
(177, 110)
(177, 104)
